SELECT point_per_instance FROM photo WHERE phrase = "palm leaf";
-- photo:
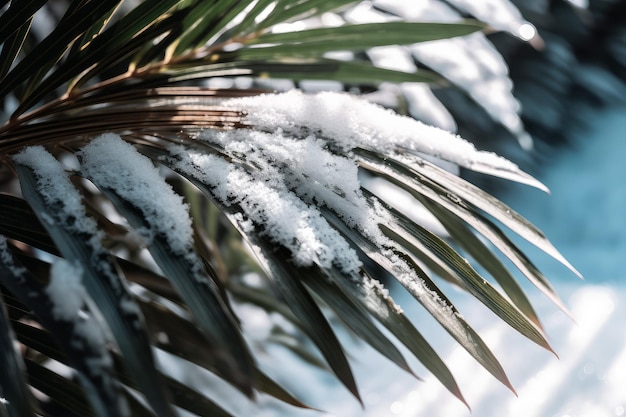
(297, 69)
(65, 392)
(379, 306)
(18, 221)
(184, 269)
(184, 339)
(13, 384)
(317, 41)
(477, 249)
(97, 382)
(286, 11)
(308, 312)
(104, 286)
(424, 290)
(139, 73)
(386, 311)
(354, 315)
(452, 203)
(12, 47)
(16, 16)
(34, 66)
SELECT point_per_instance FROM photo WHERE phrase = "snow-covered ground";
(585, 218)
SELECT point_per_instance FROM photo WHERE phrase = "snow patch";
(271, 206)
(69, 303)
(66, 290)
(7, 259)
(54, 185)
(111, 163)
(349, 122)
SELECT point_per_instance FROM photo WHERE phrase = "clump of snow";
(7, 259)
(69, 303)
(111, 163)
(305, 166)
(66, 290)
(295, 169)
(267, 202)
(348, 122)
(54, 185)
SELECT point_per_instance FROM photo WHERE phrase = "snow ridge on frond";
(114, 164)
(348, 122)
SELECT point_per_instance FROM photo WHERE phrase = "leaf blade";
(355, 317)
(16, 16)
(171, 244)
(105, 286)
(13, 386)
(315, 323)
(356, 37)
(423, 187)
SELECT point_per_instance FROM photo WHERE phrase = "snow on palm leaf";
(310, 145)
(284, 170)
(288, 177)
(301, 147)
(47, 187)
(349, 123)
(292, 177)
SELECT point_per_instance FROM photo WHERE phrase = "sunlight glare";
(527, 31)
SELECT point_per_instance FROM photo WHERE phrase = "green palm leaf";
(16, 15)
(315, 42)
(139, 74)
(13, 384)
(195, 286)
(101, 281)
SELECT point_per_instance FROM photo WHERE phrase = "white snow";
(54, 185)
(306, 167)
(111, 163)
(66, 290)
(266, 201)
(70, 303)
(292, 168)
(348, 122)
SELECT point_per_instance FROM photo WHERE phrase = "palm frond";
(109, 128)
(13, 382)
